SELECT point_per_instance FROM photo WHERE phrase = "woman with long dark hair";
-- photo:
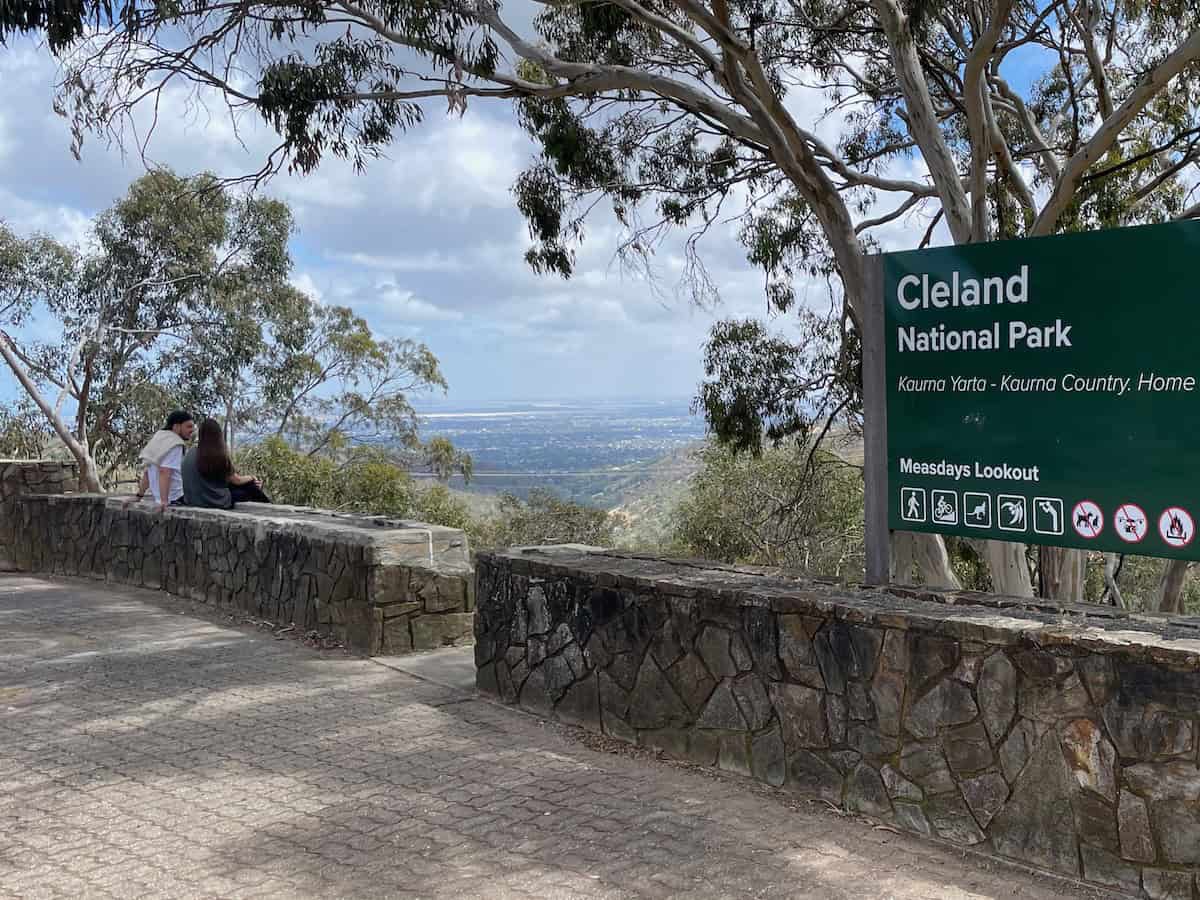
(209, 479)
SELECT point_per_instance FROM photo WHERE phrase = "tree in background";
(785, 507)
(160, 273)
(1029, 117)
(368, 480)
(328, 381)
(184, 301)
(544, 518)
(24, 432)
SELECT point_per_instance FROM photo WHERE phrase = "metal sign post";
(875, 455)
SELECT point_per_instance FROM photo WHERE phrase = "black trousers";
(248, 493)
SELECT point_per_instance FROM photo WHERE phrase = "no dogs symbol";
(1087, 519)
(1176, 527)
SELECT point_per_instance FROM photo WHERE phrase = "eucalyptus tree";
(989, 118)
(99, 337)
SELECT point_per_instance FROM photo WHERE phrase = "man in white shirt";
(163, 457)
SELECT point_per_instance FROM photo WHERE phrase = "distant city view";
(582, 450)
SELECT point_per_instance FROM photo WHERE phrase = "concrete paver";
(147, 748)
(453, 667)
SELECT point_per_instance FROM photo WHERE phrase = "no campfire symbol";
(1176, 527)
(1087, 519)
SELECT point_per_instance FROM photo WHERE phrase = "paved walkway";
(151, 748)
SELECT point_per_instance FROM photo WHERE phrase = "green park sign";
(1047, 390)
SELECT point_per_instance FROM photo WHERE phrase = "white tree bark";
(923, 556)
(1009, 568)
(922, 121)
(974, 88)
(1112, 591)
(88, 472)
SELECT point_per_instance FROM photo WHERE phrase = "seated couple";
(202, 476)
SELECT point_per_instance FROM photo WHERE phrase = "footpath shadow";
(228, 761)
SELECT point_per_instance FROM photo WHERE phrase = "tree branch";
(1106, 135)
(977, 117)
(923, 122)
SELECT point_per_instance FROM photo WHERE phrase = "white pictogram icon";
(1047, 515)
(977, 510)
(912, 504)
(1176, 526)
(1130, 523)
(1012, 512)
(945, 507)
(1087, 519)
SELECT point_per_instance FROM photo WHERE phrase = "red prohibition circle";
(1120, 534)
(1163, 535)
(1099, 511)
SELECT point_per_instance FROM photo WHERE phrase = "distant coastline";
(585, 450)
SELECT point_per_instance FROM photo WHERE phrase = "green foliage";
(967, 563)
(778, 509)
(170, 297)
(438, 506)
(24, 433)
(759, 386)
(544, 518)
(325, 381)
(185, 302)
(63, 21)
(288, 475)
(1139, 578)
(363, 480)
(444, 460)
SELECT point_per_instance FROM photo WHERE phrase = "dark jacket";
(210, 493)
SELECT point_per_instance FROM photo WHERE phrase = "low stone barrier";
(1065, 738)
(19, 477)
(382, 586)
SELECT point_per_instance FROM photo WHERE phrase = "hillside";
(641, 495)
(642, 503)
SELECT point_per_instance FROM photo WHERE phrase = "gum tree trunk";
(1170, 587)
(1062, 573)
(1009, 568)
(922, 558)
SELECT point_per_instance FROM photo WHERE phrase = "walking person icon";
(912, 504)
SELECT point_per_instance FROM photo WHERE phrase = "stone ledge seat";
(381, 585)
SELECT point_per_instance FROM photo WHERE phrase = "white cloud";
(427, 242)
(430, 261)
(304, 282)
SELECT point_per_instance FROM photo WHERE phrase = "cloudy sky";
(427, 244)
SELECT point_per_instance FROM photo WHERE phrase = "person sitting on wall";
(209, 479)
(163, 457)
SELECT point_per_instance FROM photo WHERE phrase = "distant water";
(561, 444)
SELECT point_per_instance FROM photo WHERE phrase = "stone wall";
(382, 586)
(19, 477)
(1062, 737)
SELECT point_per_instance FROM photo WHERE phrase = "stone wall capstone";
(1066, 738)
(19, 477)
(381, 586)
